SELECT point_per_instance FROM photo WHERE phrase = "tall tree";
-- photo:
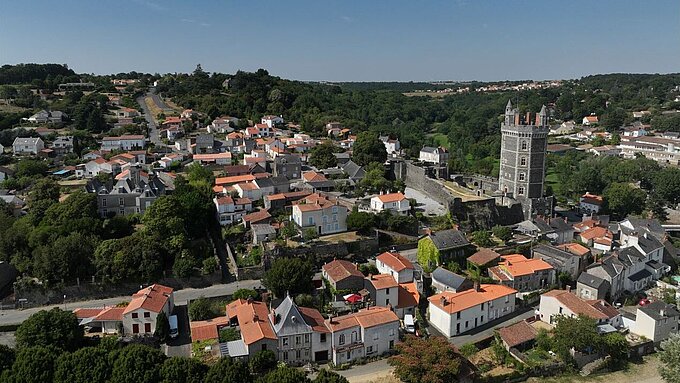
(321, 156)
(162, 327)
(89, 364)
(228, 370)
(433, 360)
(289, 275)
(34, 365)
(670, 359)
(187, 370)
(368, 148)
(137, 363)
(50, 328)
(622, 199)
(285, 374)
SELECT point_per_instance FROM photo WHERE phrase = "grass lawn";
(552, 180)
(441, 139)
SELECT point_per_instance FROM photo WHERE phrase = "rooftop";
(395, 261)
(452, 302)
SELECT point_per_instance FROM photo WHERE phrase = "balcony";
(349, 346)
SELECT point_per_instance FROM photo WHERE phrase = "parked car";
(409, 324)
(174, 330)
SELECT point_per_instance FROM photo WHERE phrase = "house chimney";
(568, 288)
(527, 119)
(476, 286)
(442, 301)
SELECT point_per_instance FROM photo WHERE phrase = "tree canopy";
(50, 328)
(426, 360)
(289, 275)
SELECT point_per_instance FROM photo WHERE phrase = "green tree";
(262, 362)
(137, 363)
(185, 264)
(482, 238)
(657, 207)
(245, 294)
(328, 376)
(503, 233)
(543, 340)
(614, 119)
(426, 360)
(310, 234)
(368, 268)
(361, 221)
(227, 370)
(564, 278)
(667, 183)
(322, 157)
(622, 200)
(50, 328)
(669, 356)
(616, 345)
(368, 148)
(468, 349)
(187, 370)
(579, 333)
(89, 364)
(7, 357)
(199, 309)
(289, 275)
(285, 374)
(197, 173)
(162, 327)
(34, 365)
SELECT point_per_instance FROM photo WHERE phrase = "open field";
(646, 372)
(4, 108)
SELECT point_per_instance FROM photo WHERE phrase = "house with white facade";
(125, 142)
(438, 155)
(272, 121)
(455, 313)
(392, 146)
(523, 274)
(396, 265)
(27, 146)
(655, 321)
(590, 204)
(302, 335)
(563, 302)
(383, 289)
(230, 210)
(369, 332)
(213, 158)
(319, 213)
(396, 203)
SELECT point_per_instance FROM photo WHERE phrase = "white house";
(383, 289)
(396, 265)
(439, 155)
(230, 210)
(28, 145)
(369, 332)
(139, 317)
(563, 302)
(272, 121)
(392, 146)
(590, 204)
(455, 313)
(213, 158)
(656, 321)
(590, 120)
(396, 203)
(126, 142)
(319, 213)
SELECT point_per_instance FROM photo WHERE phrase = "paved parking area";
(425, 203)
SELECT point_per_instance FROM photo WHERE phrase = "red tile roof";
(338, 270)
(382, 281)
(577, 305)
(408, 295)
(111, 314)
(518, 333)
(258, 216)
(391, 197)
(252, 319)
(152, 298)
(207, 329)
(395, 261)
(366, 318)
(483, 256)
(452, 302)
(518, 265)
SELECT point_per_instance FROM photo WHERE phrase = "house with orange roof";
(233, 180)
(408, 298)
(523, 274)
(395, 203)
(257, 334)
(563, 302)
(383, 289)
(456, 313)
(590, 204)
(248, 190)
(213, 158)
(271, 121)
(137, 318)
(598, 237)
(590, 120)
(396, 265)
(369, 332)
(320, 214)
(230, 210)
(343, 275)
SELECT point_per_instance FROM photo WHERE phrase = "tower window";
(520, 190)
(523, 161)
(522, 176)
(524, 145)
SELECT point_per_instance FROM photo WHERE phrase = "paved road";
(153, 129)
(368, 372)
(181, 298)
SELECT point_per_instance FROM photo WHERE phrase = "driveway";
(181, 298)
(180, 346)
(368, 372)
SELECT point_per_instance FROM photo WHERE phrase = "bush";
(199, 309)
(229, 334)
(468, 349)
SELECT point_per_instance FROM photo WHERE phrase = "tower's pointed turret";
(509, 114)
(543, 116)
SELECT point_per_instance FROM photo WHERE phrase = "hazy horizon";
(397, 41)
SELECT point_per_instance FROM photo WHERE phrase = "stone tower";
(523, 150)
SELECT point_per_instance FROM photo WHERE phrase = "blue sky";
(348, 40)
